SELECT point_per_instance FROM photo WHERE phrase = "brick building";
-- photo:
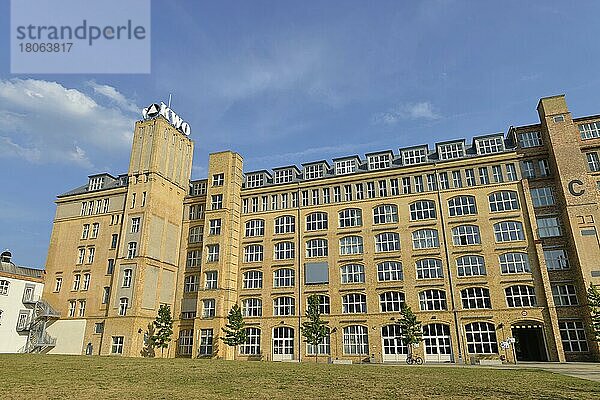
(485, 240)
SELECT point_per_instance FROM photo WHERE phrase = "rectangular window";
(86, 281)
(371, 190)
(542, 197)
(123, 305)
(205, 348)
(337, 194)
(254, 181)
(314, 171)
(394, 186)
(111, 266)
(208, 308)
(127, 273)
(431, 183)
(295, 198)
(114, 241)
(216, 202)
(86, 231)
(193, 258)
(470, 176)
(105, 295)
(548, 227)
(497, 174)
(564, 295)
(91, 253)
(360, 194)
(326, 196)
(117, 345)
(347, 192)
(556, 259)
(215, 227)
(58, 284)
(218, 179)
(511, 172)
(484, 179)
(544, 167)
(195, 235)
(264, 200)
(72, 307)
(135, 225)
(450, 151)
(530, 139)
(99, 327)
(284, 201)
(131, 249)
(414, 156)
(527, 169)
(345, 167)
(198, 188)
(81, 308)
(593, 161)
(382, 188)
(456, 179)
(490, 145)
(315, 197)
(406, 185)
(572, 334)
(211, 280)
(81, 256)
(283, 176)
(274, 201)
(76, 281)
(95, 230)
(379, 161)
(212, 254)
(419, 187)
(444, 183)
(590, 131)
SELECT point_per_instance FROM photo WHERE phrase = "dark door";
(529, 344)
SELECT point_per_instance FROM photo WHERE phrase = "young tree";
(315, 329)
(164, 328)
(410, 327)
(148, 349)
(593, 298)
(235, 330)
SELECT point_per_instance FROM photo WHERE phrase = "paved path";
(590, 371)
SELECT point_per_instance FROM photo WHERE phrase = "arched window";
(283, 277)
(520, 296)
(466, 235)
(385, 214)
(387, 241)
(351, 245)
(316, 221)
(481, 338)
(285, 224)
(253, 279)
(284, 305)
(255, 227)
(252, 307)
(508, 231)
(284, 250)
(324, 348)
(504, 200)
(253, 253)
(354, 303)
(423, 209)
(470, 266)
(429, 268)
(389, 271)
(475, 298)
(391, 301)
(252, 345)
(462, 205)
(350, 217)
(316, 248)
(353, 273)
(514, 263)
(425, 239)
(356, 340)
(432, 300)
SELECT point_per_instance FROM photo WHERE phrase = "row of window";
(480, 339)
(381, 188)
(100, 206)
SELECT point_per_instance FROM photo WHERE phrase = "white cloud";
(45, 122)
(116, 97)
(407, 111)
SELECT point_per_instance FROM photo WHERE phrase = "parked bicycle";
(410, 360)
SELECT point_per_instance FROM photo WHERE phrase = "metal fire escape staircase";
(38, 340)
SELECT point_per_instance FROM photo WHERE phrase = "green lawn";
(78, 377)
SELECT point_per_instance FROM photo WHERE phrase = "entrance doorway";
(529, 342)
(393, 348)
(437, 343)
(283, 343)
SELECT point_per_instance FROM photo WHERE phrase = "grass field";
(77, 377)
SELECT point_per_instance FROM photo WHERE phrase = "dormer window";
(414, 156)
(255, 180)
(450, 151)
(284, 175)
(490, 145)
(343, 167)
(96, 183)
(379, 161)
(314, 171)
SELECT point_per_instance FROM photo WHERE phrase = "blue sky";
(286, 82)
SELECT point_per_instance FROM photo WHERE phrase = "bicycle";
(410, 360)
